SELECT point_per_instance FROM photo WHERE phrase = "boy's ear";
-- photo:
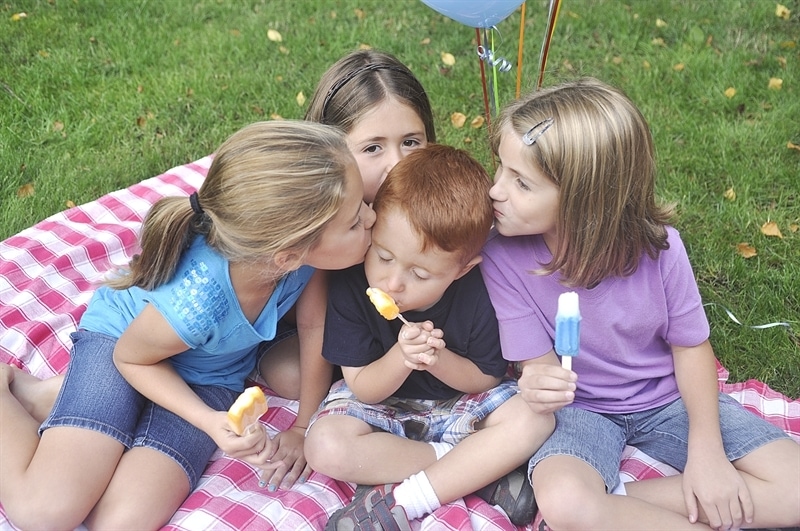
(288, 260)
(468, 266)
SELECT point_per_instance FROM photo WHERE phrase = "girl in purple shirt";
(575, 211)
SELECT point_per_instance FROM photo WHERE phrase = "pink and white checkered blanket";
(47, 274)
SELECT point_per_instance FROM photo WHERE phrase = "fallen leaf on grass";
(301, 98)
(770, 228)
(274, 35)
(775, 83)
(69, 204)
(16, 17)
(730, 92)
(746, 250)
(458, 120)
(730, 194)
(782, 11)
(658, 41)
(477, 122)
(448, 59)
(275, 116)
(794, 227)
(426, 41)
(792, 146)
(660, 23)
(679, 67)
(359, 13)
(26, 190)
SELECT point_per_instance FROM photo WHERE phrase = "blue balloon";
(475, 13)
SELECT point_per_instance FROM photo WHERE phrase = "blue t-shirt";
(201, 306)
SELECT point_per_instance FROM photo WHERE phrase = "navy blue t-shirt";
(356, 334)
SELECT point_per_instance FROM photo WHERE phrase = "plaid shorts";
(448, 420)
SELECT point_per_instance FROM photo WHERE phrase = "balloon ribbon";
(555, 5)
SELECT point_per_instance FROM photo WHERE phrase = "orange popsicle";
(384, 304)
(247, 409)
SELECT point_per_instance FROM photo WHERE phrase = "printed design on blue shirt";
(198, 299)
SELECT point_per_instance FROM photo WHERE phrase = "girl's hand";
(711, 482)
(419, 344)
(287, 463)
(252, 442)
(547, 387)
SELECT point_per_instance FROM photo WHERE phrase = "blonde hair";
(444, 194)
(359, 81)
(599, 151)
(273, 186)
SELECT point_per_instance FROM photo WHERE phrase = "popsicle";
(568, 328)
(247, 409)
(385, 304)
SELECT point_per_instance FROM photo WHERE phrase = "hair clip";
(536, 131)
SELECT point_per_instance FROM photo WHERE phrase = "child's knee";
(325, 445)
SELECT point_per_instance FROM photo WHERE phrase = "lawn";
(97, 95)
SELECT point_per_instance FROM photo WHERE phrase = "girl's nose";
(497, 192)
(393, 156)
(369, 216)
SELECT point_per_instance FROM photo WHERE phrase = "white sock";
(416, 496)
(441, 448)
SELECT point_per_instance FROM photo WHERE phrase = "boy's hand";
(419, 344)
(547, 387)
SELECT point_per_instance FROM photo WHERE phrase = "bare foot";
(36, 396)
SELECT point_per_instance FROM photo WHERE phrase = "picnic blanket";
(47, 275)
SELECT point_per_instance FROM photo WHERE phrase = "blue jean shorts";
(95, 396)
(662, 433)
(449, 420)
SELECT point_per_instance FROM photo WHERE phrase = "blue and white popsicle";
(568, 328)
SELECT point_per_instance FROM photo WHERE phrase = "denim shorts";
(662, 433)
(449, 420)
(95, 396)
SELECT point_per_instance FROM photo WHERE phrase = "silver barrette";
(536, 131)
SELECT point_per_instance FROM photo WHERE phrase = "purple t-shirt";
(628, 323)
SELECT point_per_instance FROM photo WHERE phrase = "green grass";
(97, 95)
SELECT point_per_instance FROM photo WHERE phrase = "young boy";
(422, 404)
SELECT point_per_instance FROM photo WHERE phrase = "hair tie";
(195, 202)
(353, 73)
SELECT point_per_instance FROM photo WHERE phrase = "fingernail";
(262, 483)
(302, 480)
(272, 488)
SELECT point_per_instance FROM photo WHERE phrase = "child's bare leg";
(571, 495)
(348, 449)
(36, 396)
(280, 368)
(506, 438)
(146, 490)
(770, 472)
(52, 482)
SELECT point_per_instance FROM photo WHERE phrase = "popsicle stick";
(566, 362)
